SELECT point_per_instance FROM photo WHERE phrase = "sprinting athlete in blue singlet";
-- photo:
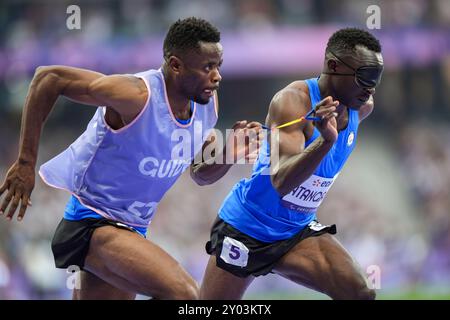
(268, 222)
(128, 157)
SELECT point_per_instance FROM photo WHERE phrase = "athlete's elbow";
(45, 74)
(200, 181)
(278, 183)
(197, 177)
(42, 71)
(46, 82)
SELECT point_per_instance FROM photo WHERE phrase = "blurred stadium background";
(391, 203)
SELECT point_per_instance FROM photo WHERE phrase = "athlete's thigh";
(219, 284)
(132, 263)
(94, 288)
(322, 263)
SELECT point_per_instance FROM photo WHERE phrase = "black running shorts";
(243, 255)
(70, 243)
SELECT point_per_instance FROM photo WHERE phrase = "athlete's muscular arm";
(214, 166)
(297, 164)
(124, 94)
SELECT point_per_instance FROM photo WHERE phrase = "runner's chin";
(202, 99)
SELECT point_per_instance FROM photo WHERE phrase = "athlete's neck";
(324, 88)
(177, 101)
(341, 110)
(342, 118)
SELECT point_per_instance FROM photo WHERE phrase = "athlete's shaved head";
(349, 38)
(186, 34)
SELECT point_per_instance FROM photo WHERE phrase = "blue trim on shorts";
(75, 211)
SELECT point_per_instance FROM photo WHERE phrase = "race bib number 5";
(234, 252)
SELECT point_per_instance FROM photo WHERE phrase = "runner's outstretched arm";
(124, 93)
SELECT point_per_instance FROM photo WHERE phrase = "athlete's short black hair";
(185, 34)
(348, 38)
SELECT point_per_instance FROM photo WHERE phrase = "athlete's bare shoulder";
(297, 90)
(299, 85)
(289, 103)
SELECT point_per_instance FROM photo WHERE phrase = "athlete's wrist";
(25, 160)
